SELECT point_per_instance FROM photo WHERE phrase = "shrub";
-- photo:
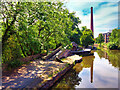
(12, 50)
(112, 45)
(14, 63)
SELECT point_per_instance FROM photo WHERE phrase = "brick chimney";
(91, 25)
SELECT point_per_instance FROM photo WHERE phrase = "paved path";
(36, 73)
(29, 76)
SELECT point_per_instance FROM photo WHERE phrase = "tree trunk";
(20, 45)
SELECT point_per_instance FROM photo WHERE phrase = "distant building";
(106, 36)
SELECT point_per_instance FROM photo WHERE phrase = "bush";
(112, 45)
(12, 50)
(14, 64)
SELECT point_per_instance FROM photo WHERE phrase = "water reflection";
(112, 55)
(103, 74)
(68, 81)
(99, 70)
(86, 63)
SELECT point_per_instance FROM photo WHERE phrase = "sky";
(105, 13)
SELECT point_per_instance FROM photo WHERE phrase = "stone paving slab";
(72, 59)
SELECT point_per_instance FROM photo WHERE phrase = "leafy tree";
(83, 28)
(29, 28)
(87, 37)
(76, 36)
(115, 36)
(100, 39)
(76, 33)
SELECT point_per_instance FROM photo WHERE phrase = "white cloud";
(103, 77)
(104, 15)
(92, 0)
(105, 11)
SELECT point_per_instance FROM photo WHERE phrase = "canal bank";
(38, 74)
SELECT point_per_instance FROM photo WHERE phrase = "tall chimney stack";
(92, 21)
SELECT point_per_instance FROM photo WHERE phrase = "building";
(106, 36)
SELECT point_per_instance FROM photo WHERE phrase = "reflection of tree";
(78, 67)
(86, 63)
(114, 57)
(69, 80)
(101, 53)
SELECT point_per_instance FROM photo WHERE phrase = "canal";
(99, 70)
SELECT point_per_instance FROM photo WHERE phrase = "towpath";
(30, 75)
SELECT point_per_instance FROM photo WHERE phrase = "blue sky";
(105, 13)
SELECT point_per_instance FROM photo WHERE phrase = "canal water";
(99, 70)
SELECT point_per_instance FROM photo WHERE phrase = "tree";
(115, 36)
(76, 36)
(83, 28)
(100, 39)
(87, 37)
(76, 33)
(29, 28)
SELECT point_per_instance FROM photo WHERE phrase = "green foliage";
(114, 39)
(112, 45)
(29, 28)
(12, 50)
(13, 64)
(87, 37)
(76, 33)
(100, 39)
(76, 36)
(112, 55)
(69, 46)
(115, 36)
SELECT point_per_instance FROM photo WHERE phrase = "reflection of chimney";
(105, 38)
(106, 56)
(92, 72)
(92, 21)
